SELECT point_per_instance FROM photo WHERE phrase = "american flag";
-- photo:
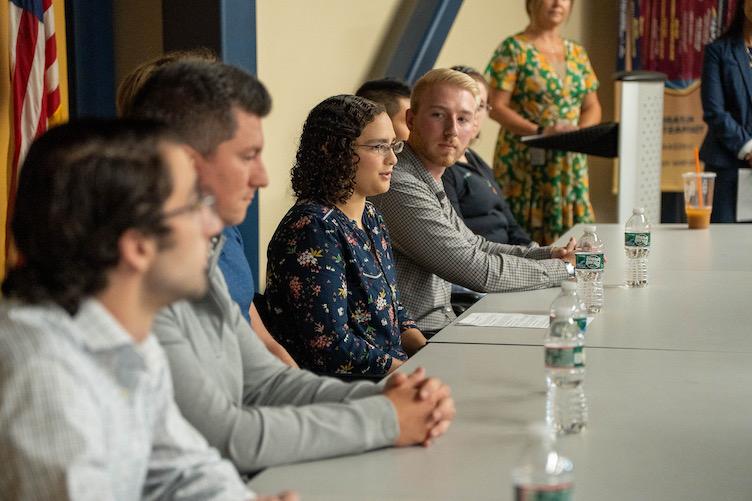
(35, 85)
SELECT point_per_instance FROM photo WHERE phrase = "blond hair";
(134, 80)
(443, 76)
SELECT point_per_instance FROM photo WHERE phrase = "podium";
(601, 140)
(636, 140)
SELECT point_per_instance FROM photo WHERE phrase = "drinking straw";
(700, 201)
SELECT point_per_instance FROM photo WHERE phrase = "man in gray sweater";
(257, 411)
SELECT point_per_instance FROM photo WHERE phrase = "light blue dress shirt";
(87, 413)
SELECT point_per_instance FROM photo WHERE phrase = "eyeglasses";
(204, 202)
(383, 148)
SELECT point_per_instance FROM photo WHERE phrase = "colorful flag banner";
(669, 36)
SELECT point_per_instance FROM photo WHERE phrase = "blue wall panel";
(422, 39)
(229, 28)
(91, 70)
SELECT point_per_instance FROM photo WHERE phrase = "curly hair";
(82, 185)
(326, 162)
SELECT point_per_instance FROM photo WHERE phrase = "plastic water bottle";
(637, 247)
(566, 405)
(589, 264)
(543, 473)
(568, 298)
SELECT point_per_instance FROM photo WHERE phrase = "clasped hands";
(424, 406)
(424, 410)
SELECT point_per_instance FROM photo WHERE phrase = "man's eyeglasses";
(204, 202)
(383, 148)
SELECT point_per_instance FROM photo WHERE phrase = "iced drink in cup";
(698, 198)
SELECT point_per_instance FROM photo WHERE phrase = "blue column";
(91, 70)
(422, 39)
(229, 28)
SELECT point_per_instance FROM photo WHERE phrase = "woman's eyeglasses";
(384, 148)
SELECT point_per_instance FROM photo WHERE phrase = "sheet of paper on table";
(508, 320)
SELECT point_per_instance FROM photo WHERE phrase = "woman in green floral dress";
(542, 84)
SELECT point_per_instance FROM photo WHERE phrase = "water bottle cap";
(568, 285)
(589, 228)
(638, 210)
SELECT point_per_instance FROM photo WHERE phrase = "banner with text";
(669, 36)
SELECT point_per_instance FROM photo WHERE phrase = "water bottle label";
(637, 239)
(581, 323)
(589, 261)
(565, 358)
(563, 492)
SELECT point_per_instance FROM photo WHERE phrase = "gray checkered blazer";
(434, 249)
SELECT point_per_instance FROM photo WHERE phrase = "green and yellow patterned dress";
(551, 198)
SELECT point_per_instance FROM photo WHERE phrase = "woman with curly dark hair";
(331, 281)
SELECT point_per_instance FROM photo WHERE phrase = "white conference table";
(722, 247)
(663, 425)
(701, 310)
(669, 386)
(699, 292)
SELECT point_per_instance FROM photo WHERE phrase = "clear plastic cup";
(698, 198)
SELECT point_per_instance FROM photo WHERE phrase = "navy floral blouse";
(331, 291)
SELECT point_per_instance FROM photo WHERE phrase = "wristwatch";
(570, 269)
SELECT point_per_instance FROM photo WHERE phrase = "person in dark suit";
(727, 109)
(471, 187)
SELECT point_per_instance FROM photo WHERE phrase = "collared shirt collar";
(92, 327)
(414, 165)
(97, 329)
(217, 242)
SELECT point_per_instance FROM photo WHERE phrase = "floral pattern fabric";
(331, 291)
(546, 199)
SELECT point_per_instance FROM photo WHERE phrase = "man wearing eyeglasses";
(110, 228)
(433, 247)
(257, 411)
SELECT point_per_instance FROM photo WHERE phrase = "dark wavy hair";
(82, 185)
(198, 99)
(326, 161)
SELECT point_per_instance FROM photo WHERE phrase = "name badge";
(537, 156)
